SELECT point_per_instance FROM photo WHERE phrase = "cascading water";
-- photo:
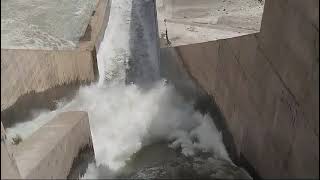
(130, 122)
(129, 51)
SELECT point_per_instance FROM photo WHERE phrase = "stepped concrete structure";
(257, 60)
(36, 73)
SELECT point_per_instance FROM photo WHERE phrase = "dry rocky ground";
(188, 21)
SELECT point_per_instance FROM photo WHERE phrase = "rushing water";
(141, 127)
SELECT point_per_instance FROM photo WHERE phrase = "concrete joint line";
(279, 76)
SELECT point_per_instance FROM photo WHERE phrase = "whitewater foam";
(125, 117)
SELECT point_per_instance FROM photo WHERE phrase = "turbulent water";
(141, 127)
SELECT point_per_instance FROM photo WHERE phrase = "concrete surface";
(190, 21)
(44, 24)
(26, 72)
(51, 150)
(172, 69)
(267, 86)
(96, 28)
(9, 169)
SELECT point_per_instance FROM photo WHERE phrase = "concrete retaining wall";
(51, 150)
(267, 86)
(97, 26)
(29, 72)
(24, 71)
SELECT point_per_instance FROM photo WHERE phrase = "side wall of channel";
(267, 87)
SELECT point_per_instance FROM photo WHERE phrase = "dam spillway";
(130, 122)
(125, 117)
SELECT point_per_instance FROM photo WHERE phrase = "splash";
(125, 117)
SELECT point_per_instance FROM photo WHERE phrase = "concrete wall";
(25, 72)
(51, 150)
(267, 87)
(9, 169)
(97, 26)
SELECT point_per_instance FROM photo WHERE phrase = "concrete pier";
(50, 151)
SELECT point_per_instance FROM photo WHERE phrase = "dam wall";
(51, 150)
(24, 71)
(32, 74)
(266, 85)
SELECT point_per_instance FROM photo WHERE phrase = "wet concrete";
(159, 161)
(173, 69)
(22, 110)
(33, 79)
(50, 151)
(265, 86)
(81, 162)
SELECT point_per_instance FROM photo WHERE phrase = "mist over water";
(124, 115)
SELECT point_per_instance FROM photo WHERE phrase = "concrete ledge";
(26, 71)
(50, 151)
(96, 28)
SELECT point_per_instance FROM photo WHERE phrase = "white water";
(113, 54)
(123, 118)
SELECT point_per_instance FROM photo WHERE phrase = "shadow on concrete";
(23, 109)
(173, 69)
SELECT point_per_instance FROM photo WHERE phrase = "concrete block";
(27, 71)
(50, 151)
(9, 169)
